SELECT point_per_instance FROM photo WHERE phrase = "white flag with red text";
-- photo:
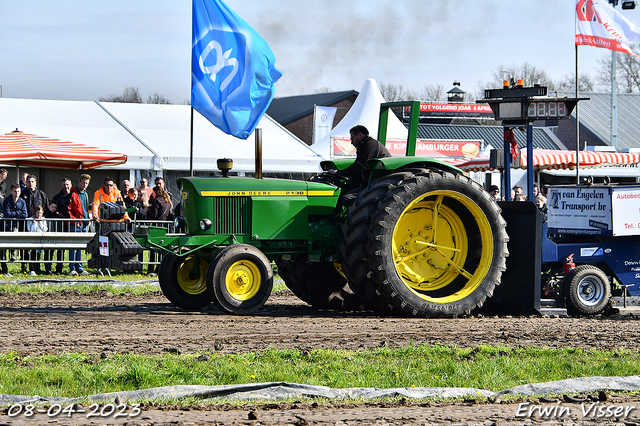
(599, 24)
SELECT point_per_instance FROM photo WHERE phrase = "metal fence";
(23, 236)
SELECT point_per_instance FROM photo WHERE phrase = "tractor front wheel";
(240, 279)
(183, 281)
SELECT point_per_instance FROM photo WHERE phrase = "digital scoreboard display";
(545, 109)
(510, 110)
(521, 105)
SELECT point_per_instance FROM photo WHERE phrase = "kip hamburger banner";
(433, 148)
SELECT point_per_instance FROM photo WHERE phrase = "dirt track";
(149, 324)
(103, 323)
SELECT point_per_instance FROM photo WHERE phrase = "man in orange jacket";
(107, 192)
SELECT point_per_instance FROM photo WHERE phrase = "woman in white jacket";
(36, 224)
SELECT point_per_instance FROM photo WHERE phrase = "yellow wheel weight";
(192, 282)
(243, 280)
(431, 246)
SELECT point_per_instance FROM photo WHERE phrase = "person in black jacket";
(358, 173)
(3, 183)
(52, 213)
(33, 197)
(143, 198)
(3, 194)
(160, 206)
(131, 202)
(15, 208)
(62, 200)
(159, 209)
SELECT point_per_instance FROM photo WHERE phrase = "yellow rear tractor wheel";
(436, 245)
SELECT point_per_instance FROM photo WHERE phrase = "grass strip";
(486, 367)
(135, 287)
(118, 285)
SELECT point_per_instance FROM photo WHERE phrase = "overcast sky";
(83, 50)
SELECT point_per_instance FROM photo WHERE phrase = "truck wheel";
(437, 245)
(587, 290)
(320, 284)
(240, 278)
(183, 281)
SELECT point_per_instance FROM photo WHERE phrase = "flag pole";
(614, 101)
(193, 34)
(577, 123)
(313, 136)
(191, 146)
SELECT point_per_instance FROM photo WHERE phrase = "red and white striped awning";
(24, 149)
(550, 159)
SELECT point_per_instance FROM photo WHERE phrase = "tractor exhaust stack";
(258, 153)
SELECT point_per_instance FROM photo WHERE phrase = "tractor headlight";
(178, 222)
(205, 224)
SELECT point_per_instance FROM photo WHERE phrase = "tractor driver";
(358, 173)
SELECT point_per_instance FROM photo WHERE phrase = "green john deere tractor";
(420, 240)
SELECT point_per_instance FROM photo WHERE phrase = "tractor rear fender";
(382, 166)
(336, 164)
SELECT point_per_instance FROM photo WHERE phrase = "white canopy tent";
(166, 129)
(365, 111)
(156, 137)
(76, 121)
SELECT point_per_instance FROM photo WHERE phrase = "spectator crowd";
(26, 208)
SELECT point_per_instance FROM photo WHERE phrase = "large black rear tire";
(320, 284)
(289, 271)
(436, 246)
(354, 246)
(183, 281)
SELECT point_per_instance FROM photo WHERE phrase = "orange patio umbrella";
(25, 149)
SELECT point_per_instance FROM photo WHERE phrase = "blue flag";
(232, 69)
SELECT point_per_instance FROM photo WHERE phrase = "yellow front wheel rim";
(431, 246)
(243, 280)
(192, 281)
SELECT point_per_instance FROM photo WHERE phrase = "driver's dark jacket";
(367, 149)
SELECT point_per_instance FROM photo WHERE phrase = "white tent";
(365, 111)
(155, 137)
(75, 121)
(165, 128)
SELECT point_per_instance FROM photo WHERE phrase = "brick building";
(595, 121)
(295, 113)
